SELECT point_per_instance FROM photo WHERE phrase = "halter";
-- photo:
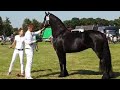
(47, 20)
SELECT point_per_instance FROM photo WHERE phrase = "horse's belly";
(74, 48)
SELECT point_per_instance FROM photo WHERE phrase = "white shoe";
(8, 73)
(28, 78)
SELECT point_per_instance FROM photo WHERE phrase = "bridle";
(47, 20)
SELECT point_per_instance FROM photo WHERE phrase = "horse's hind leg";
(105, 60)
(62, 62)
(102, 65)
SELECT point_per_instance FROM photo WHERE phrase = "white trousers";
(21, 55)
(29, 56)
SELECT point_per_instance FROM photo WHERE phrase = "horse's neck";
(57, 28)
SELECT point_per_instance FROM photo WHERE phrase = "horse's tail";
(105, 64)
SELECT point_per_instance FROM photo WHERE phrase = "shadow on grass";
(54, 73)
(90, 72)
(81, 72)
(116, 74)
(33, 71)
(85, 72)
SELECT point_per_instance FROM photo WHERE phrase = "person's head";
(30, 27)
(21, 32)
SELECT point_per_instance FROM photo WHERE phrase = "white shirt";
(115, 38)
(19, 42)
(29, 39)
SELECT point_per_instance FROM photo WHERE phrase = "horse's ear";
(48, 12)
(45, 13)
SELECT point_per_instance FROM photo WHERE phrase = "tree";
(7, 27)
(102, 22)
(25, 23)
(15, 30)
(75, 22)
(111, 22)
(117, 22)
(36, 24)
(83, 21)
(90, 21)
(98, 21)
(67, 23)
(1, 26)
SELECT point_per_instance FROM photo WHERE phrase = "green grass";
(82, 65)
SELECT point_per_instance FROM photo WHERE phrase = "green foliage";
(91, 21)
(15, 31)
(36, 24)
(67, 23)
(75, 22)
(7, 27)
(1, 26)
(26, 22)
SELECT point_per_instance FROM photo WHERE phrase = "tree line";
(91, 21)
(7, 29)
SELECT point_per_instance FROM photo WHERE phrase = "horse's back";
(86, 35)
(96, 35)
(74, 42)
(79, 41)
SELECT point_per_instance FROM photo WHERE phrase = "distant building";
(113, 30)
(88, 27)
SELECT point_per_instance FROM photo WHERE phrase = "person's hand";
(10, 46)
(42, 28)
(31, 44)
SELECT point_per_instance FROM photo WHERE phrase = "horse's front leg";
(62, 62)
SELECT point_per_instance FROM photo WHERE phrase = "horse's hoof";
(63, 75)
(112, 75)
(105, 77)
(66, 74)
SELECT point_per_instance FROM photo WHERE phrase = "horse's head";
(56, 24)
(46, 20)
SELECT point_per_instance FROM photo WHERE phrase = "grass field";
(82, 65)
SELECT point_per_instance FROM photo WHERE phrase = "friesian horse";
(65, 41)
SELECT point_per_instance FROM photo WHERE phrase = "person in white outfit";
(114, 39)
(29, 49)
(19, 46)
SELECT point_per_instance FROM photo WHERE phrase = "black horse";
(65, 41)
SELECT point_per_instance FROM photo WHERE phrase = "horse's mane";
(59, 22)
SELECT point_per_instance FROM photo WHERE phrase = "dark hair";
(30, 25)
(19, 30)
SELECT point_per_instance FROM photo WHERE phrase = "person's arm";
(28, 39)
(38, 31)
(13, 44)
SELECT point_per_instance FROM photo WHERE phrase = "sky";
(17, 17)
